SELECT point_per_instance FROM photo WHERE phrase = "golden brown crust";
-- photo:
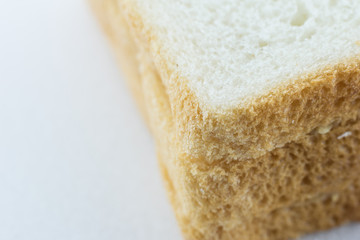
(226, 200)
(308, 184)
(257, 198)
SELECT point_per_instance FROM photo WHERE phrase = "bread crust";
(312, 181)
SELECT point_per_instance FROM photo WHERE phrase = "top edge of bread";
(230, 51)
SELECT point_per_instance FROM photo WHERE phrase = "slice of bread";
(277, 162)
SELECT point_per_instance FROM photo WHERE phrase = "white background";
(76, 160)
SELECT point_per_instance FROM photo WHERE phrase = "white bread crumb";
(231, 50)
(344, 135)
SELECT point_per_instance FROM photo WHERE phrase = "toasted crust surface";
(307, 181)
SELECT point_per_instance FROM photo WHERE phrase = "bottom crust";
(306, 186)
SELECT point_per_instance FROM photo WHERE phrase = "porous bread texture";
(201, 194)
(231, 201)
(307, 185)
(315, 80)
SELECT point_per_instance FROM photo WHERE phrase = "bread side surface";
(248, 130)
(303, 187)
(309, 188)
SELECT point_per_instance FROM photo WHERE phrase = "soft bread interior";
(233, 50)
